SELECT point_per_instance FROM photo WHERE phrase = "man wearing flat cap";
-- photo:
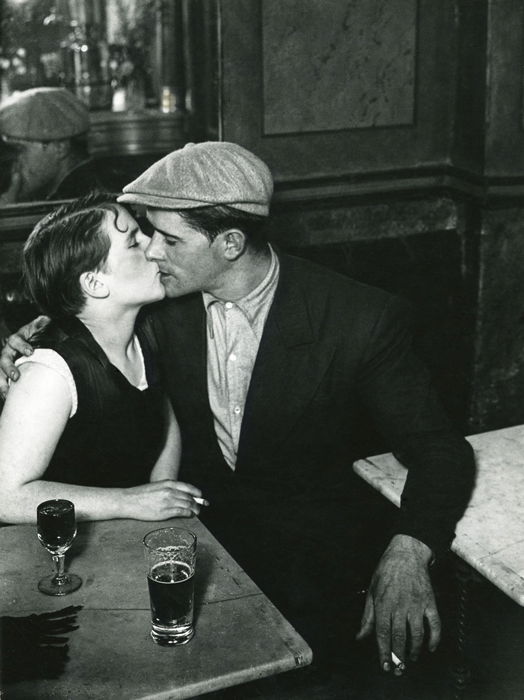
(270, 362)
(49, 127)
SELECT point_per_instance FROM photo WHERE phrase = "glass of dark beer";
(56, 530)
(170, 560)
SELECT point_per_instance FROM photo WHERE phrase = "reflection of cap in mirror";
(43, 114)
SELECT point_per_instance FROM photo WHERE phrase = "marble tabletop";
(240, 635)
(490, 536)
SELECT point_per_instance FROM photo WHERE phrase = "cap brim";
(161, 202)
(157, 201)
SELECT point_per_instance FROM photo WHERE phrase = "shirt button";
(237, 410)
(228, 305)
(233, 357)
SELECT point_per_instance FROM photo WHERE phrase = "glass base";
(52, 585)
(166, 636)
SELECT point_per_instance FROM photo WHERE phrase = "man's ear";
(61, 148)
(234, 243)
(93, 286)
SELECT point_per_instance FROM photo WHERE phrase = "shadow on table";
(83, 536)
(204, 569)
(33, 646)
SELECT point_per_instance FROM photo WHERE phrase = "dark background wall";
(395, 131)
(414, 247)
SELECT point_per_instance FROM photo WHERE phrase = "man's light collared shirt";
(233, 338)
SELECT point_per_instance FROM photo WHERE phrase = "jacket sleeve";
(397, 390)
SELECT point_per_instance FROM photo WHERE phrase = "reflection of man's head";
(49, 128)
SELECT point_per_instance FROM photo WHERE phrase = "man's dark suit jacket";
(332, 349)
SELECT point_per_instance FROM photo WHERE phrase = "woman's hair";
(63, 245)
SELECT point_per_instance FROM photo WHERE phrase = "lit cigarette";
(396, 661)
(201, 501)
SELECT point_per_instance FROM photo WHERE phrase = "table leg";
(461, 669)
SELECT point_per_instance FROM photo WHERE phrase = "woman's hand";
(160, 500)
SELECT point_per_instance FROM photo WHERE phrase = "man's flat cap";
(204, 174)
(43, 114)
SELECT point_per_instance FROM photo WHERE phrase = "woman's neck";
(114, 332)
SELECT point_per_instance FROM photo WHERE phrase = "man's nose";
(155, 249)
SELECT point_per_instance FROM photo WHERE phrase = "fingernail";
(27, 351)
(386, 667)
(13, 375)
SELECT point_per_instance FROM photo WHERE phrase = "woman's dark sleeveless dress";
(117, 433)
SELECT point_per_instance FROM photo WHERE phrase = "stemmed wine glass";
(56, 530)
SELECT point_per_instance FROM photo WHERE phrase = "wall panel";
(369, 47)
(346, 110)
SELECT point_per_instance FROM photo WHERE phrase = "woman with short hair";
(88, 420)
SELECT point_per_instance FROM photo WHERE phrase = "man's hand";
(15, 346)
(399, 599)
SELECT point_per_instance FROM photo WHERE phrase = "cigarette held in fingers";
(398, 663)
(201, 501)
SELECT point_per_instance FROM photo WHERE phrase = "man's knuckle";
(433, 616)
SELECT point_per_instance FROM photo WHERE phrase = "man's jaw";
(170, 285)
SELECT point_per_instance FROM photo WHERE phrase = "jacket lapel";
(186, 356)
(290, 364)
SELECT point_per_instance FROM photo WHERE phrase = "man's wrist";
(412, 546)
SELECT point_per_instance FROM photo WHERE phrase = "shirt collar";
(254, 301)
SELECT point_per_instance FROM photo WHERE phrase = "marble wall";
(351, 65)
(339, 87)
(498, 390)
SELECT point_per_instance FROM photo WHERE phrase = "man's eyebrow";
(165, 233)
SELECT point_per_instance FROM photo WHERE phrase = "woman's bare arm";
(168, 462)
(32, 421)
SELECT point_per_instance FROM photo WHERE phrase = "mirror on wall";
(143, 71)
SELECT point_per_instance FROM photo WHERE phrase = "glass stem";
(58, 560)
